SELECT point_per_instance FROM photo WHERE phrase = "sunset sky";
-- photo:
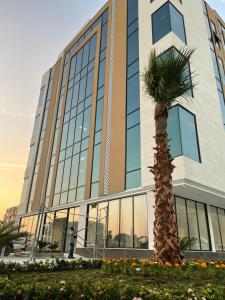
(33, 33)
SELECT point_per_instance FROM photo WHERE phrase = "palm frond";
(9, 232)
(186, 243)
(167, 76)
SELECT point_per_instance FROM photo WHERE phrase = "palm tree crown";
(167, 76)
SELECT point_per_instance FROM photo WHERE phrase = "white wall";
(205, 105)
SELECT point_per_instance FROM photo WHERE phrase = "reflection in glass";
(126, 223)
(181, 217)
(140, 222)
(113, 224)
(193, 224)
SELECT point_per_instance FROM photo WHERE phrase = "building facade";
(10, 214)
(93, 136)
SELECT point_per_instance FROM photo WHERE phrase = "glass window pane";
(113, 224)
(79, 61)
(75, 94)
(82, 169)
(133, 93)
(173, 130)
(102, 216)
(66, 175)
(132, 10)
(71, 132)
(133, 160)
(126, 223)
(74, 172)
(86, 124)
(181, 218)
(92, 48)
(82, 92)
(99, 112)
(72, 196)
(177, 23)
(216, 228)
(80, 194)
(94, 189)
(104, 37)
(188, 135)
(140, 222)
(89, 88)
(132, 69)
(96, 163)
(79, 126)
(203, 226)
(161, 23)
(85, 55)
(68, 100)
(133, 179)
(101, 74)
(64, 136)
(132, 48)
(193, 224)
(91, 227)
(59, 177)
(133, 119)
(222, 225)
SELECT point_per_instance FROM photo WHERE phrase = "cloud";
(11, 166)
(16, 114)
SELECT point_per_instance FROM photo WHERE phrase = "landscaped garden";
(113, 279)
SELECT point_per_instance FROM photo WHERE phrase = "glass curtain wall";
(74, 193)
(120, 223)
(133, 160)
(41, 137)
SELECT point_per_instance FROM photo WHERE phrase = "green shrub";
(56, 266)
(107, 291)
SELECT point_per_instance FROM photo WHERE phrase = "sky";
(33, 33)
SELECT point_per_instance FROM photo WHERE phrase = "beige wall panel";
(118, 117)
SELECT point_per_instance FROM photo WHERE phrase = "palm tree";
(165, 79)
(9, 232)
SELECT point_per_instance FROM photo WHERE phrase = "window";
(133, 143)
(166, 19)
(192, 222)
(182, 132)
(125, 220)
(218, 221)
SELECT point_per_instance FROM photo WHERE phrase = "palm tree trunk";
(166, 245)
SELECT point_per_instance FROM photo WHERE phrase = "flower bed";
(110, 291)
(124, 279)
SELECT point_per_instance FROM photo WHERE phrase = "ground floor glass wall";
(120, 223)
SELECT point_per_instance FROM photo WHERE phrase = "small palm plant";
(9, 232)
(165, 79)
